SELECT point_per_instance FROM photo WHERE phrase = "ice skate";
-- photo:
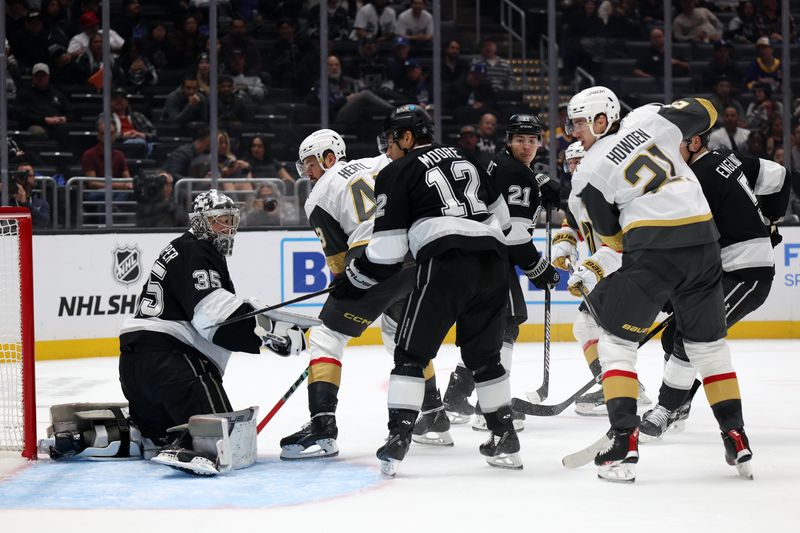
(187, 461)
(617, 461)
(432, 428)
(502, 451)
(737, 452)
(456, 397)
(393, 452)
(655, 423)
(317, 438)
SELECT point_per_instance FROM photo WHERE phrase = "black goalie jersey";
(430, 201)
(189, 288)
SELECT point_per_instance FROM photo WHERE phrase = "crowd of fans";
(380, 57)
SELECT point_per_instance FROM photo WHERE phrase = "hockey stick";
(540, 394)
(282, 401)
(529, 408)
(251, 314)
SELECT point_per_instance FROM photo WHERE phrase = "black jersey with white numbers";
(517, 184)
(188, 289)
(728, 180)
(432, 200)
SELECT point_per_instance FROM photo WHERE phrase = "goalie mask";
(316, 145)
(215, 218)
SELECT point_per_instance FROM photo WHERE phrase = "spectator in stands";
(91, 60)
(721, 66)
(722, 98)
(765, 68)
(730, 135)
(487, 136)
(264, 209)
(794, 162)
(742, 28)
(651, 63)
(56, 24)
(583, 21)
(757, 145)
(368, 67)
(474, 91)
(42, 109)
(763, 108)
(232, 112)
(130, 25)
(696, 24)
(156, 46)
(415, 87)
(396, 66)
(339, 21)
(64, 71)
(203, 74)
(624, 20)
(237, 39)
(133, 71)
(135, 128)
(251, 88)
(498, 70)
(155, 208)
(231, 167)
(180, 161)
(21, 195)
(263, 164)
(186, 104)
(186, 43)
(11, 64)
(290, 59)
(774, 135)
(468, 143)
(415, 23)
(90, 23)
(454, 69)
(16, 12)
(374, 20)
(768, 22)
(93, 165)
(30, 43)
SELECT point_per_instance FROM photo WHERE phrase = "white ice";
(683, 482)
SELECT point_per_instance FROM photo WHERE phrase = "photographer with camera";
(154, 205)
(263, 210)
(21, 195)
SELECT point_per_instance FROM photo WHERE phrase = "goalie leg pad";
(93, 431)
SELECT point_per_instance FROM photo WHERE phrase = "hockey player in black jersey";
(743, 192)
(438, 205)
(522, 190)
(172, 358)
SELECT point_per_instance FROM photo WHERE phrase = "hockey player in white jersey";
(340, 209)
(643, 200)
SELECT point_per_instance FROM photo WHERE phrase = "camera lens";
(270, 205)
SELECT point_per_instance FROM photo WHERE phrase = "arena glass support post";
(3, 108)
(108, 142)
(323, 67)
(667, 52)
(437, 70)
(553, 78)
(213, 91)
(786, 63)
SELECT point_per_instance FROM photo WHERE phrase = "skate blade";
(677, 427)
(509, 461)
(745, 470)
(644, 438)
(434, 438)
(203, 468)
(458, 418)
(323, 448)
(389, 467)
(619, 473)
(590, 409)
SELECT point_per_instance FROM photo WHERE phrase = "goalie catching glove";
(283, 338)
(542, 274)
(565, 247)
(592, 269)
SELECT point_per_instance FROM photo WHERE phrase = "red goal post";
(17, 378)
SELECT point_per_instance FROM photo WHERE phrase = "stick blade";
(586, 455)
(301, 321)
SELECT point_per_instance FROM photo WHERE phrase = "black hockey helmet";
(525, 124)
(409, 117)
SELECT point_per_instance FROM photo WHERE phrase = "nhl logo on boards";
(126, 267)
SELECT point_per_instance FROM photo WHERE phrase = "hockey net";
(17, 396)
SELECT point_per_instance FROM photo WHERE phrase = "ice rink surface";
(683, 483)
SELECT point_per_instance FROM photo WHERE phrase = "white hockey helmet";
(573, 151)
(316, 145)
(215, 218)
(591, 102)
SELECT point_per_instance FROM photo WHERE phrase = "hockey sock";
(406, 392)
(722, 391)
(324, 377)
(590, 353)
(621, 390)
(678, 378)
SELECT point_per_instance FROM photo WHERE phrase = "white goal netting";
(12, 421)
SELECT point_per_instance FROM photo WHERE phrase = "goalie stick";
(299, 381)
(264, 310)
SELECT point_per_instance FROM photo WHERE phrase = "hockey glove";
(594, 268)
(774, 237)
(542, 274)
(565, 248)
(549, 191)
(353, 283)
(282, 338)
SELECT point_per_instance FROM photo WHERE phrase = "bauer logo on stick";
(127, 264)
